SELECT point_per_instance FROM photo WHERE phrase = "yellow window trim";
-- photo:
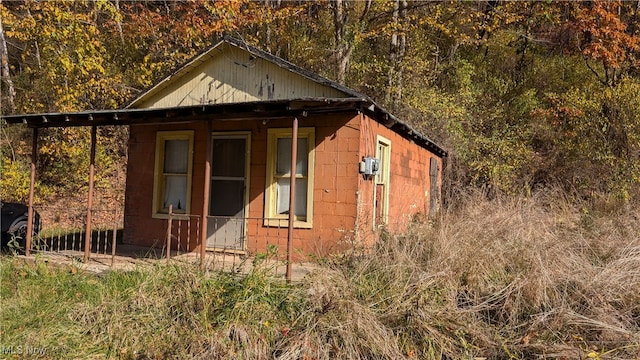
(270, 194)
(158, 179)
(382, 178)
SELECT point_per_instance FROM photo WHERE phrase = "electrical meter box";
(369, 166)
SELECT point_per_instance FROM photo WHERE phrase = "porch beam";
(32, 186)
(92, 160)
(206, 189)
(292, 194)
(239, 111)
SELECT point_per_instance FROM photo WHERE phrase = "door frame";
(235, 135)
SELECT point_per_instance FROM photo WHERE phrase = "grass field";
(506, 278)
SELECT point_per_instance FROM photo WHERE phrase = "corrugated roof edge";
(68, 117)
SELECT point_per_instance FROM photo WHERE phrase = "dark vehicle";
(14, 224)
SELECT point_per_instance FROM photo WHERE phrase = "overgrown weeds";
(507, 278)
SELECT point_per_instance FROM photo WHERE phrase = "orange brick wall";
(336, 182)
(343, 199)
(139, 227)
(409, 181)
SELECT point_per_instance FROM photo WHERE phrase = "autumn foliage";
(523, 95)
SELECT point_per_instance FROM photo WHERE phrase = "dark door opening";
(227, 216)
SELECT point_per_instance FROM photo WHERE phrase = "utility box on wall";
(369, 166)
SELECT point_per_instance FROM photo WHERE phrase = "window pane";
(383, 151)
(228, 157)
(283, 162)
(175, 192)
(282, 206)
(227, 198)
(176, 156)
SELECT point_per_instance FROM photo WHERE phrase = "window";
(172, 177)
(381, 189)
(279, 177)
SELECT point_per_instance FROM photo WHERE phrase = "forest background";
(523, 95)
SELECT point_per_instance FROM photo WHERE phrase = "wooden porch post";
(32, 185)
(292, 194)
(206, 196)
(169, 223)
(92, 160)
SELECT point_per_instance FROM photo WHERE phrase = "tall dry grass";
(504, 278)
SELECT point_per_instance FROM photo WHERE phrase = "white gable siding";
(232, 75)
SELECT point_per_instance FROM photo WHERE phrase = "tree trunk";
(4, 70)
(342, 53)
(119, 22)
(344, 47)
(36, 45)
(402, 47)
(397, 51)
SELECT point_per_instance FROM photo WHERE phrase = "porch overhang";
(227, 111)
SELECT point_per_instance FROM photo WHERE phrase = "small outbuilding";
(211, 149)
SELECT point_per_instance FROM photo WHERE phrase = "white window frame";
(158, 211)
(382, 177)
(272, 218)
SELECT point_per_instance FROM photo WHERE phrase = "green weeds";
(167, 311)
